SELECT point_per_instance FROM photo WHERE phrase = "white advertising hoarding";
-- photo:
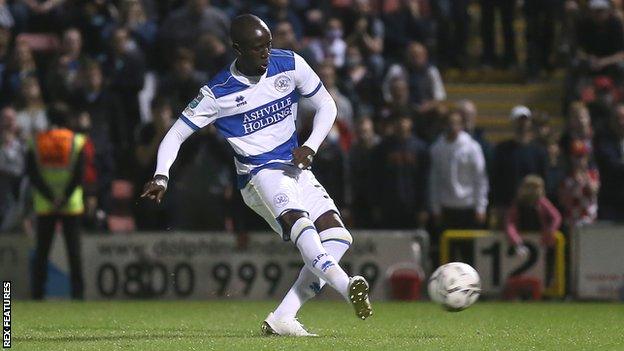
(599, 257)
(201, 266)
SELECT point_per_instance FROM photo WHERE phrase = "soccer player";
(253, 104)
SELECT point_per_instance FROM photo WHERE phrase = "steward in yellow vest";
(55, 166)
(58, 172)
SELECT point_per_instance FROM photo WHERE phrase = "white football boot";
(283, 327)
(358, 295)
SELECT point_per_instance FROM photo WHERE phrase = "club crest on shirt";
(282, 83)
(280, 199)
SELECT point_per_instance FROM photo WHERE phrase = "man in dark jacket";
(402, 166)
(516, 158)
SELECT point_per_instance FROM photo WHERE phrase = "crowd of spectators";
(399, 155)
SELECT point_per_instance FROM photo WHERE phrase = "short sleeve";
(202, 110)
(307, 81)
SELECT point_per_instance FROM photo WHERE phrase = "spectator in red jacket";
(532, 212)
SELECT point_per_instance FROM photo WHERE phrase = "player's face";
(254, 52)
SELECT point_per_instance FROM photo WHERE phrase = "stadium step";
(495, 100)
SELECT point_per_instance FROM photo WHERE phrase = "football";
(455, 286)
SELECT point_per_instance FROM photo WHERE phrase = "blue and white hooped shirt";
(256, 118)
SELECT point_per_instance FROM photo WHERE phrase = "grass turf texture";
(235, 325)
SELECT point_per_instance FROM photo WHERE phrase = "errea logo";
(240, 101)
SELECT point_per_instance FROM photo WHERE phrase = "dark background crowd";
(399, 156)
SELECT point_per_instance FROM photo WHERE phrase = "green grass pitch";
(234, 325)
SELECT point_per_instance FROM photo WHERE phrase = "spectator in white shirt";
(458, 181)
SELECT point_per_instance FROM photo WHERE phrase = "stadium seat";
(121, 219)
(122, 190)
(121, 224)
(523, 288)
(405, 281)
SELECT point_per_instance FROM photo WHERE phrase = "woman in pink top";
(532, 212)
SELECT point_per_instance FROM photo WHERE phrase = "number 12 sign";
(496, 260)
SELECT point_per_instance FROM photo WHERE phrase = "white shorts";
(271, 192)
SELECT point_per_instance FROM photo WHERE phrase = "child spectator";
(532, 212)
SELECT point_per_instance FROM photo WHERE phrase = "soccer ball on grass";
(455, 286)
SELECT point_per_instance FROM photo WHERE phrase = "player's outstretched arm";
(167, 152)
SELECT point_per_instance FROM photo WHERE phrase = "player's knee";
(288, 219)
(327, 220)
(337, 234)
(299, 228)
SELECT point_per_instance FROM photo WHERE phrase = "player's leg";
(274, 193)
(317, 261)
(336, 241)
(304, 235)
(279, 192)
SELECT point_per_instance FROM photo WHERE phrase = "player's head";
(251, 41)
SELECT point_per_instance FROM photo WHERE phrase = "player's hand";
(303, 156)
(522, 250)
(155, 188)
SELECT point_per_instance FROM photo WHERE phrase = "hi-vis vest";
(56, 153)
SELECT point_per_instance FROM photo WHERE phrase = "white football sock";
(308, 284)
(322, 264)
